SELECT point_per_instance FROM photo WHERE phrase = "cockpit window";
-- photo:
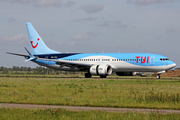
(164, 59)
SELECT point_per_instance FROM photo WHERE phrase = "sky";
(80, 26)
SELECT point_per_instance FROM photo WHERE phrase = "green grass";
(113, 92)
(61, 114)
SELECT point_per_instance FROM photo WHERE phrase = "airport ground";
(112, 92)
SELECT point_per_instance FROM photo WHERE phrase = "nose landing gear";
(158, 76)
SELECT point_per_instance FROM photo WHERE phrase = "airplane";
(101, 64)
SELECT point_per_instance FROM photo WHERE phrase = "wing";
(69, 63)
(18, 54)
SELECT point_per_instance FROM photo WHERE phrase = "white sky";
(145, 26)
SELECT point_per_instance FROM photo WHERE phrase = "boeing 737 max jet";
(102, 64)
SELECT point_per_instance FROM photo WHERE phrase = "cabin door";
(152, 60)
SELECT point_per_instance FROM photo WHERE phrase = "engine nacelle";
(103, 69)
(125, 73)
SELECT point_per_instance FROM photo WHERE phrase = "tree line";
(37, 70)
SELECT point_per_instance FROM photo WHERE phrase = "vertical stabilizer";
(36, 43)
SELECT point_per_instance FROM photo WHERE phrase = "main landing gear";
(87, 75)
(103, 76)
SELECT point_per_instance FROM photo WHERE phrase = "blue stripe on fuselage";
(54, 56)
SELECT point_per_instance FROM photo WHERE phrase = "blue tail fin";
(36, 43)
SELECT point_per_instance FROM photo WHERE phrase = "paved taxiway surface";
(80, 108)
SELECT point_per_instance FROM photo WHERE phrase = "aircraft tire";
(103, 76)
(158, 76)
(87, 75)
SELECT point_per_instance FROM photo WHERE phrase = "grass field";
(113, 92)
(61, 114)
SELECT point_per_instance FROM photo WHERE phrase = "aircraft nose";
(174, 65)
(170, 64)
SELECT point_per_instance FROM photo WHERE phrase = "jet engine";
(103, 69)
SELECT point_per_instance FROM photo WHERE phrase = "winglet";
(31, 56)
(28, 52)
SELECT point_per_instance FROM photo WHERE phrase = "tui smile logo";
(33, 45)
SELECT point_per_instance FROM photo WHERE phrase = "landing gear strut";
(87, 75)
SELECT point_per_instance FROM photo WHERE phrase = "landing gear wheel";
(87, 75)
(103, 76)
(158, 76)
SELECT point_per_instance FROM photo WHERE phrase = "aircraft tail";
(36, 43)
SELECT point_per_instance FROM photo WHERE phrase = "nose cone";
(171, 64)
(174, 65)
